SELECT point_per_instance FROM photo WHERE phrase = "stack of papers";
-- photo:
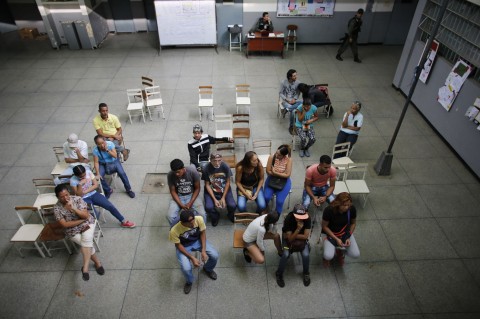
(280, 35)
(271, 35)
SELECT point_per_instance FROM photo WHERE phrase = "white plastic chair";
(153, 99)
(45, 189)
(61, 165)
(224, 125)
(263, 148)
(341, 150)
(358, 185)
(135, 103)
(340, 185)
(28, 233)
(242, 96)
(205, 99)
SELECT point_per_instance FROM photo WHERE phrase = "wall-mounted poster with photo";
(305, 8)
(429, 63)
(453, 84)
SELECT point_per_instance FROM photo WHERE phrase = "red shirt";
(317, 179)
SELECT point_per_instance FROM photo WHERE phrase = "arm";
(203, 241)
(193, 155)
(196, 191)
(71, 223)
(301, 114)
(313, 119)
(96, 165)
(81, 158)
(329, 232)
(214, 140)
(260, 237)
(288, 170)
(175, 197)
(269, 167)
(224, 195)
(181, 248)
(291, 236)
(261, 174)
(332, 186)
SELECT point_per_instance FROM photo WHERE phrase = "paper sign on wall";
(429, 63)
(453, 84)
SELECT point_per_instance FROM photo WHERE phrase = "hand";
(347, 243)
(292, 101)
(299, 225)
(85, 160)
(118, 137)
(231, 140)
(254, 197)
(196, 262)
(98, 177)
(204, 256)
(76, 150)
(316, 201)
(217, 203)
(339, 242)
(68, 206)
(322, 199)
(184, 206)
(103, 147)
(222, 203)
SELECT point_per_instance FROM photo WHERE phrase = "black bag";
(275, 182)
(297, 245)
(110, 168)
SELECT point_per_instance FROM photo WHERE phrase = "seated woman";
(85, 185)
(249, 178)
(71, 212)
(338, 223)
(261, 228)
(279, 167)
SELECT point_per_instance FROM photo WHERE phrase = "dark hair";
(360, 11)
(246, 161)
(97, 137)
(78, 170)
(285, 149)
(264, 14)
(358, 103)
(307, 101)
(102, 105)
(303, 88)
(270, 219)
(339, 200)
(186, 214)
(325, 159)
(176, 164)
(290, 73)
(60, 188)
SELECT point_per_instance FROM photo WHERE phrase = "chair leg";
(39, 249)
(200, 113)
(130, 116)
(163, 114)
(47, 250)
(149, 112)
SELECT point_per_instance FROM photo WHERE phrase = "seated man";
(351, 125)
(75, 152)
(184, 185)
(71, 212)
(319, 182)
(295, 234)
(289, 95)
(108, 126)
(263, 24)
(105, 159)
(189, 235)
(305, 115)
(218, 193)
(199, 147)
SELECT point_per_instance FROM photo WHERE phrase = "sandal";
(100, 270)
(85, 275)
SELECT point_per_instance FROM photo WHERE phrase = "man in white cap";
(75, 152)
(295, 233)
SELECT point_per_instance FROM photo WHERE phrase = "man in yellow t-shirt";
(189, 235)
(108, 126)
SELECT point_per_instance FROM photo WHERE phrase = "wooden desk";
(265, 44)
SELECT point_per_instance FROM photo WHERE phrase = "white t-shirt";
(69, 152)
(256, 231)
(356, 121)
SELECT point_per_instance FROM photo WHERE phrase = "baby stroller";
(324, 102)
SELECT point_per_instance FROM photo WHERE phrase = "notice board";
(186, 22)
(305, 8)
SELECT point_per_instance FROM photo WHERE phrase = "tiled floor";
(417, 234)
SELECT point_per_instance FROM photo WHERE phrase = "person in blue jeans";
(189, 235)
(104, 154)
(85, 185)
(279, 165)
(249, 178)
(319, 183)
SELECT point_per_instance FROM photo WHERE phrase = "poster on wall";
(429, 63)
(305, 8)
(453, 84)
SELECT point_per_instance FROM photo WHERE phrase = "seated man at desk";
(263, 24)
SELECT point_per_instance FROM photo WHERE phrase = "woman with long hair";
(338, 223)
(261, 228)
(279, 168)
(249, 177)
(85, 185)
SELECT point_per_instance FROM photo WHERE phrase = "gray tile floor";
(417, 233)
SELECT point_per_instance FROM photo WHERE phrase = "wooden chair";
(292, 36)
(205, 99)
(241, 127)
(243, 219)
(242, 96)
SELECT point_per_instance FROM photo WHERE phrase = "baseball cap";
(72, 140)
(197, 128)
(300, 212)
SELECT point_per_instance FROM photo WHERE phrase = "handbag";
(298, 245)
(275, 182)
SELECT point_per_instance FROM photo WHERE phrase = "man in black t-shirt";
(218, 193)
(296, 231)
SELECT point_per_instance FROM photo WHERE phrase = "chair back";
(241, 219)
(341, 150)
(24, 213)
(223, 125)
(59, 155)
(134, 96)
(205, 92)
(44, 185)
(357, 171)
(242, 90)
(147, 82)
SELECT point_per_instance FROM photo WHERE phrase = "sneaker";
(307, 153)
(125, 153)
(211, 274)
(280, 281)
(248, 259)
(85, 275)
(306, 279)
(100, 270)
(301, 153)
(187, 288)
(128, 224)
(107, 195)
(357, 60)
(338, 57)
(131, 194)
(215, 222)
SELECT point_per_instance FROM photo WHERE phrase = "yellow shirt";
(186, 236)
(109, 126)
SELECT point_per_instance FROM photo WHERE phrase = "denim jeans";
(242, 201)
(212, 210)
(100, 200)
(281, 194)
(286, 254)
(291, 109)
(173, 209)
(317, 191)
(121, 173)
(186, 265)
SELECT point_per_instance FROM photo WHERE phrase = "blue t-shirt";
(104, 157)
(308, 115)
